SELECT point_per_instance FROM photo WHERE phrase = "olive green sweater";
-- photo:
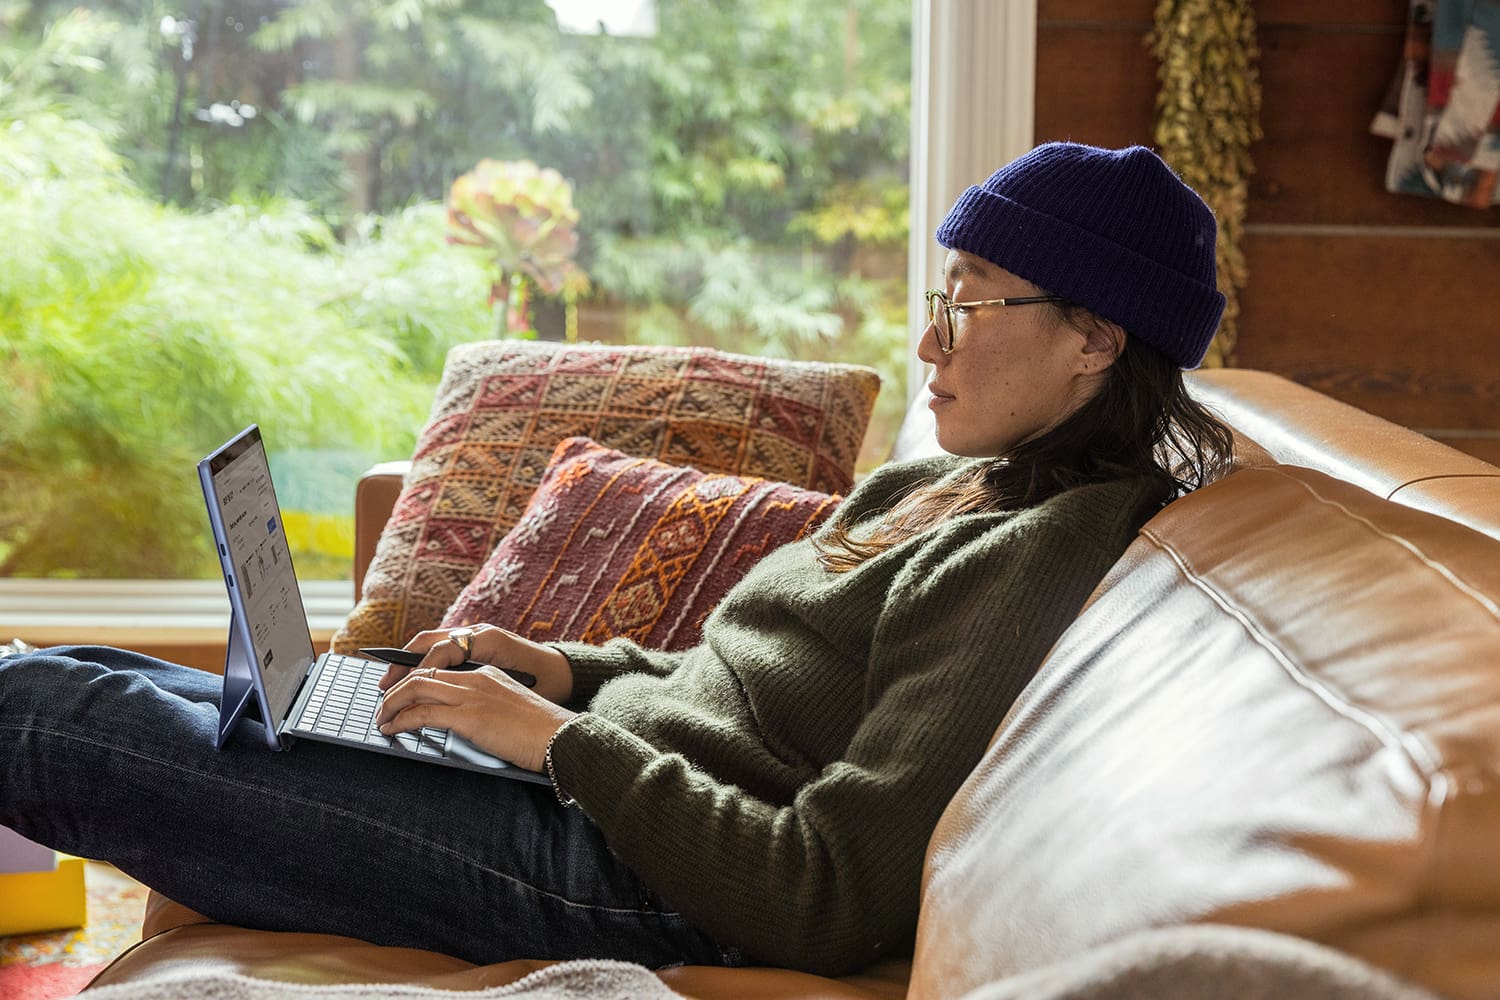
(779, 782)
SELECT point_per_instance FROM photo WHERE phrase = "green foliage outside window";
(233, 213)
(138, 337)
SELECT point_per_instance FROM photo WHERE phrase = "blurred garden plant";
(521, 218)
(135, 337)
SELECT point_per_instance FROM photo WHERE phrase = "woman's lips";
(938, 396)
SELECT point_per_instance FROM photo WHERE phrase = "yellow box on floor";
(31, 902)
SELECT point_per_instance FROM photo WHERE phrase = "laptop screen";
(258, 565)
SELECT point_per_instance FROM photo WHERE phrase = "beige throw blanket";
(594, 980)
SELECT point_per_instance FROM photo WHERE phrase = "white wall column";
(973, 104)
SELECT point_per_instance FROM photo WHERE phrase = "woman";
(768, 795)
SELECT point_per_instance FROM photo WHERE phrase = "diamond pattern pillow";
(613, 545)
(503, 407)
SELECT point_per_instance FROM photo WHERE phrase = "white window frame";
(973, 110)
(137, 614)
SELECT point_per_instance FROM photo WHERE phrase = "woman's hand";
(485, 706)
(491, 644)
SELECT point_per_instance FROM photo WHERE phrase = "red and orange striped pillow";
(615, 545)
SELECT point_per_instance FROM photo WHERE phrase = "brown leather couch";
(1281, 710)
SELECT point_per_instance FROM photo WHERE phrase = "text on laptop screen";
(262, 567)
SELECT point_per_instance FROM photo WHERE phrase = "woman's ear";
(1103, 342)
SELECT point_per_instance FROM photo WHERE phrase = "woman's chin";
(959, 440)
(955, 444)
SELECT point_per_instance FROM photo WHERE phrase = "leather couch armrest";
(374, 499)
(163, 914)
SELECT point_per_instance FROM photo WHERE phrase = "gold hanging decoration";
(1207, 115)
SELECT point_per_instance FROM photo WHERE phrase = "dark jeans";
(109, 755)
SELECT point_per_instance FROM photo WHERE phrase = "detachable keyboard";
(343, 704)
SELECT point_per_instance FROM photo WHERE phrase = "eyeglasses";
(944, 321)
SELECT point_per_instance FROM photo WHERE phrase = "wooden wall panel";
(1353, 317)
(1112, 12)
(1389, 302)
(1343, 14)
(1115, 108)
(1339, 15)
(1487, 448)
(1318, 161)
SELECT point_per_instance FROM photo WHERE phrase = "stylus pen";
(410, 658)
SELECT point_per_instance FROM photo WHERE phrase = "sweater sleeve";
(594, 666)
(830, 881)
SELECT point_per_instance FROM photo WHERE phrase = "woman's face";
(1015, 372)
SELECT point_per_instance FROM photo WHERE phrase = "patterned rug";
(59, 964)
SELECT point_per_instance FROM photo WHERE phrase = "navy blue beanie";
(1113, 230)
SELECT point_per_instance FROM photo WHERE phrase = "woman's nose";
(927, 346)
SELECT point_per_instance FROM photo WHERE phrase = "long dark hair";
(1141, 424)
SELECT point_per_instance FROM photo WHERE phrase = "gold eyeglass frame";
(936, 295)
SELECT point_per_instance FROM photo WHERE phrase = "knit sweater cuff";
(592, 759)
(592, 666)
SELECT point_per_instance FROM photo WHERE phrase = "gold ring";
(463, 638)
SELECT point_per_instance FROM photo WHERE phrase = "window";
(234, 212)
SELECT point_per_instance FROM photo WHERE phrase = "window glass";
(219, 212)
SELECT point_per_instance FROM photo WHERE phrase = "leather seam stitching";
(1485, 602)
(1410, 744)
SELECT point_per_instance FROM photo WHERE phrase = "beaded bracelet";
(565, 799)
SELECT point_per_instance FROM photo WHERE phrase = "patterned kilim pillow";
(504, 406)
(613, 545)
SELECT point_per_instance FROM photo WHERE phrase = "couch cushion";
(1280, 710)
(504, 406)
(617, 546)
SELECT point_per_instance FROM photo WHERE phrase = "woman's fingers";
(425, 684)
(420, 686)
(428, 696)
(438, 651)
(420, 715)
(485, 706)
